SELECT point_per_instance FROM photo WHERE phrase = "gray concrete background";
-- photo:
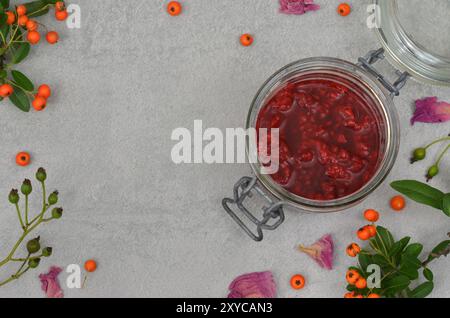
(122, 83)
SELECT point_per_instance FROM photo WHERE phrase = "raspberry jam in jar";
(330, 139)
(338, 134)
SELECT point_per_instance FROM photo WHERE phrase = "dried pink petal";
(297, 6)
(49, 283)
(253, 285)
(322, 251)
(430, 110)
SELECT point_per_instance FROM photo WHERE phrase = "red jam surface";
(329, 137)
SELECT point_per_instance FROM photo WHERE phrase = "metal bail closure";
(371, 58)
(272, 216)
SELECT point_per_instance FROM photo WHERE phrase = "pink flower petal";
(430, 110)
(49, 283)
(253, 285)
(297, 6)
(322, 251)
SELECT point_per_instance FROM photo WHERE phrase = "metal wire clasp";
(244, 189)
(374, 56)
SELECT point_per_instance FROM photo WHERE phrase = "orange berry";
(39, 103)
(33, 37)
(349, 295)
(22, 21)
(372, 230)
(352, 276)
(358, 296)
(353, 250)
(31, 25)
(52, 37)
(361, 283)
(374, 296)
(246, 39)
(174, 8)
(363, 234)
(60, 6)
(371, 215)
(11, 17)
(61, 15)
(44, 91)
(23, 159)
(298, 282)
(90, 265)
(21, 10)
(6, 90)
(344, 9)
(398, 203)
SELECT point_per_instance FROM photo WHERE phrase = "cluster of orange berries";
(40, 99)
(354, 278)
(33, 36)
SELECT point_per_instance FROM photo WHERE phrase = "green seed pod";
(432, 172)
(14, 196)
(33, 246)
(34, 262)
(53, 198)
(41, 175)
(57, 213)
(419, 154)
(47, 252)
(26, 187)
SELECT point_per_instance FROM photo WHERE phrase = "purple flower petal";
(253, 285)
(430, 110)
(322, 251)
(49, 283)
(297, 6)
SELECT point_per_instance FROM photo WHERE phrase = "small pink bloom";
(49, 283)
(430, 110)
(254, 285)
(297, 6)
(321, 251)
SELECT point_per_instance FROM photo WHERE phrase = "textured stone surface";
(123, 82)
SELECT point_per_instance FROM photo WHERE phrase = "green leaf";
(5, 4)
(21, 52)
(438, 249)
(422, 290)
(410, 267)
(395, 284)
(364, 261)
(383, 241)
(3, 18)
(37, 8)
(446, 204)
(399, 246)
(414, 250)
(428, 274)
(22, 81)
(420, 192)
(4, 30)
(20, 99)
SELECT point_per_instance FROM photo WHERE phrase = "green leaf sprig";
(34, 253)
(14, 48)
(400, 265)
(424, 194)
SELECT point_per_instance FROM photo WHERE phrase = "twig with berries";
(420, 154)
(18, 31)
(33, 246)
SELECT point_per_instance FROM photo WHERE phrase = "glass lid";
(415, 35)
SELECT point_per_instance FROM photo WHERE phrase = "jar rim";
(404, 52)
(384, 102)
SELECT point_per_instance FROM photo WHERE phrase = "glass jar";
(404, 52)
